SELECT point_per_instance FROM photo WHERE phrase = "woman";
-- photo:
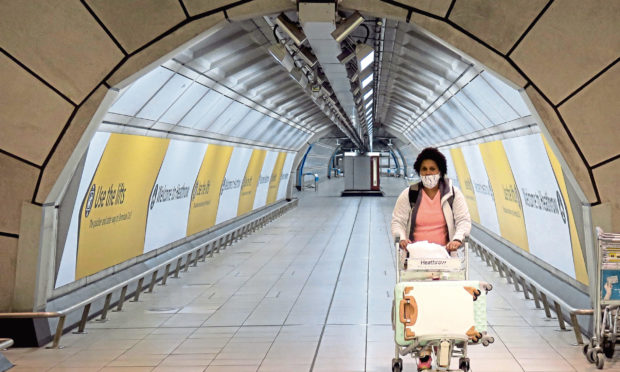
(437, 213)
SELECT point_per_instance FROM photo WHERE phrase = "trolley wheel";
(600, 360)
(609, 348)
(591, 355)
(397, 365)
(464, 364)
(585, 349)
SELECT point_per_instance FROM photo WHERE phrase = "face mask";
(430, 181)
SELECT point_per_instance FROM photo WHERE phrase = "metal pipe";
(535, 295)
(121, 300)
(6, 343)
(106, 307)
(575, 324)
(543, 296)
(164, 279)
(153, 281)
(188, 261)
(178, 267)
(136, 297)
(58, 334)
(524, 286)
(558, 313)
(515, 280)
(82, 324)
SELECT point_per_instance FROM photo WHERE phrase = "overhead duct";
(318, 21)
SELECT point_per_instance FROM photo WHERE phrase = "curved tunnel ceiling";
(563, 54)
(228, 87)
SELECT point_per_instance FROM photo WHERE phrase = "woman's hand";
(404, 243)
(453, 246)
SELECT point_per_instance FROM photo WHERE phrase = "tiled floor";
(311, 291)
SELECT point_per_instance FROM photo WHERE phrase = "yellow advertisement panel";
(580, 265)
(274, 181)
(466, 184)
(206, 191)
(250, 182)
(506, 194)
(114, 210)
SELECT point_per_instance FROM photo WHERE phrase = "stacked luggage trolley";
(437, 308)
(607, 300)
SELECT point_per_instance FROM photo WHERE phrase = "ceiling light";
(291, 29)
(365, 55)
(367, 81)
(345, 28)
(368, 94)
(368, 104)
(280, 54)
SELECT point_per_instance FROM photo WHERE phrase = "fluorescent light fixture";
(280, 54)
(367, 60)
(345, 28)
(365, 55)
(354, 76)
(368, 94)
(367, 81)
(291, 29)
(369, 103)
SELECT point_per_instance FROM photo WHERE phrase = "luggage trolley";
(420, 317)
(607, 300)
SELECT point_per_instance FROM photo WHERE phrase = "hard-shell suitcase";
(426, 310)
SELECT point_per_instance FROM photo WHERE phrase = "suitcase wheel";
(397, 365)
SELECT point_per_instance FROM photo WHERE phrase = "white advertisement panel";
(169, 203)
(546, 219)
(286, 174)
(482, 188)
(231, 185)
(263, 181)
(451, 173)
(66, 271)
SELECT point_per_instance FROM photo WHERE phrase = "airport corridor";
(310, 292)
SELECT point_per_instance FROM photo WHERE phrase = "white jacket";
(457, 217)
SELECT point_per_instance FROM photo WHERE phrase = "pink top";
(430, 223)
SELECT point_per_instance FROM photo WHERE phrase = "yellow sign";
(274, 181)
(580, 265)
(506, 194)
(250, 182)
(206, 190)
(114, 210)
(465, 180)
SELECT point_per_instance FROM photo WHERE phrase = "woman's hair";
(433, 154)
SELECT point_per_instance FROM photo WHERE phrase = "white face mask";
(430, 181)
